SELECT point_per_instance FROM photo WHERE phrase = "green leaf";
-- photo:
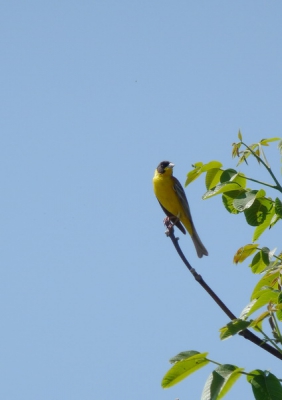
(212, 386)
(231, 175)
(260, 260)
(240, 137)
(233, 327)
(266, 224)
(240, 179)
(269, 279)
(264, 142)
(264, 296)
(260, 194)
(230, 379)
(183, 368)
(211, 165)
(245, 312)
(265, 385)
(228, 199)
(258, 321)
(220, 382)
(257, 213)
(183, 355)
(213, 177)
(279, 300)
(245, 200)
(244, 156)
(245, 252)
(275, 218)
(227, 175)
(199, 168)
(279, 312)
(195, 173)
(278, 207)
(221, 188)
(265, 252)
(235, 149)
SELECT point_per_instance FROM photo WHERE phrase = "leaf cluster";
(264, 384)
(261, 212)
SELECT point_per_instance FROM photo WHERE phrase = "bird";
(172, 198)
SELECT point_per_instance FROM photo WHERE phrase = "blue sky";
(94, 94)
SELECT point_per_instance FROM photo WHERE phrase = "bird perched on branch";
(174, 203)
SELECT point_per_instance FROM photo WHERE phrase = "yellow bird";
(173, 201)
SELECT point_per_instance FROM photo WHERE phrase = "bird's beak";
(170, 165)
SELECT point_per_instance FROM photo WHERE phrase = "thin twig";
(256, 181)
(245, 333)
(278, 186)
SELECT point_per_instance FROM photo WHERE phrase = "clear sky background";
(94, 94)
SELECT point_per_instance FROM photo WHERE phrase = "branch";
(246, 333)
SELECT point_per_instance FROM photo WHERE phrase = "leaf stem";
(278, 333)
(214, 362)
(260, 182)
(278, 186)
(269, 340)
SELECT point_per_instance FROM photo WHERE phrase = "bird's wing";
(182, 197)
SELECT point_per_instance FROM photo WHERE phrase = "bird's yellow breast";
(165, 193)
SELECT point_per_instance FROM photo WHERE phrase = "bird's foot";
(169, 224)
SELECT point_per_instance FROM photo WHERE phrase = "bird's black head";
(163, 165)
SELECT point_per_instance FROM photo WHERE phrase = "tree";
(261, 212)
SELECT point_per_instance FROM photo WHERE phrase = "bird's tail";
(200, 248)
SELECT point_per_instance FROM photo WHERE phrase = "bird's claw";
(169, 224)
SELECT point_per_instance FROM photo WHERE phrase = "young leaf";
(211, 165)
(244, 156)
(235, 149)
(213, 177)
(181, 369)
(244, 252)
(195, 173)
(264, 142)
(265, 385)
(263, 155)
(240, 137)
(258, 321)
(264, 297)
(270, 279)
(199, 168)
(260, 260)
(260, 194)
